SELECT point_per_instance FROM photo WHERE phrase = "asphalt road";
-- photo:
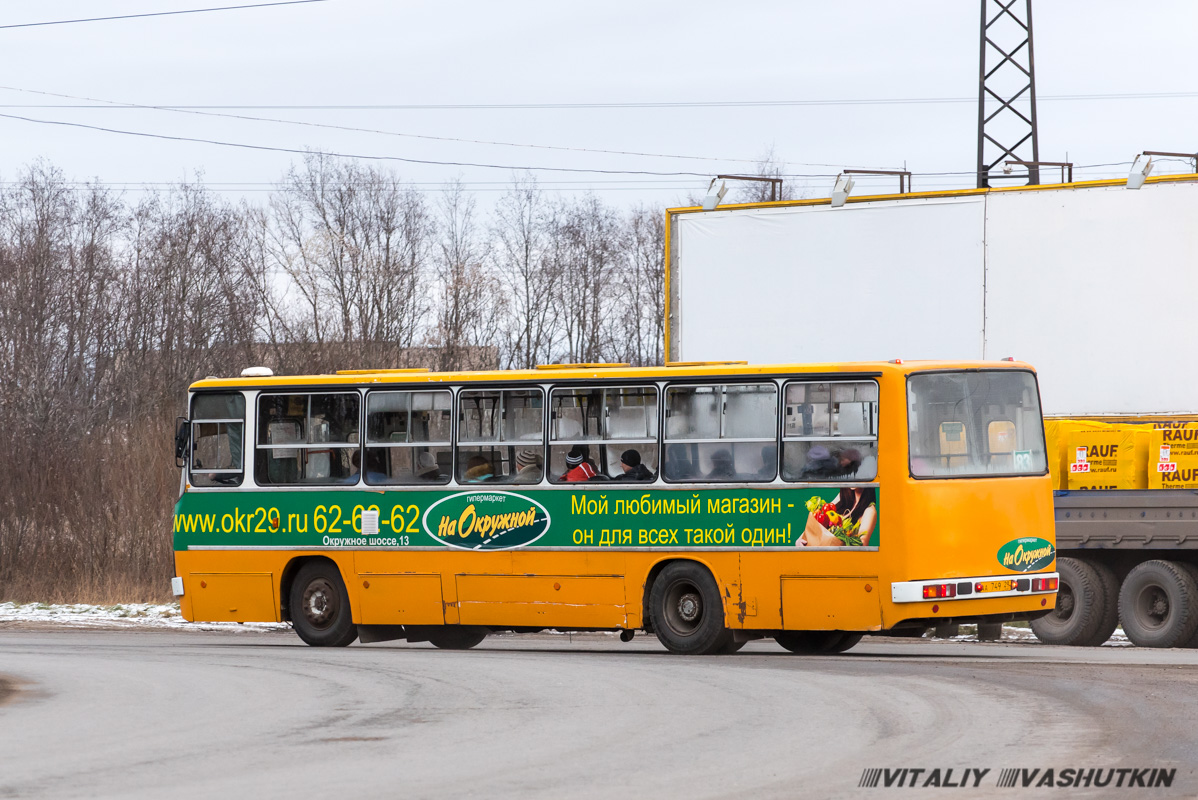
(201, 714)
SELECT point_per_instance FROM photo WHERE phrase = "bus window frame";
(720, 381)
(655, 440)
(876, 438)
(974, 477)
(486, 386)
(357, 391)
(192, 421)
(363, 434)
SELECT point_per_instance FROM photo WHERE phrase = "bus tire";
(733, 646)
(1109, 588)
(687, 611)
(1157, 605)
(320, 611)
(456, 637)
(816, 643)
(1079, 610)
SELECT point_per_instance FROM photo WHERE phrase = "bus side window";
(501, 433)
(217, 439)
(724, 433)
(596, 427)
(308, 439)
(408, 437)
(830, 431)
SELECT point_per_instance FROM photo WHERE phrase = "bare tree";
(468, 300)
(356, 247)
(768, 166)
(518, 253)
(642, 282)
(588, 237)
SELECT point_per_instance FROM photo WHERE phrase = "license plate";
(994, 586)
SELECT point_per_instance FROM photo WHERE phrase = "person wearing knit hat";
(528, 466)
(426, 467)
(577, 466)
(634, 470)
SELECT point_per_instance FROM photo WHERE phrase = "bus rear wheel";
(817, 643)
(456, 637)
(320, 611)
(687, 610)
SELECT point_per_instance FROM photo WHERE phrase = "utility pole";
(1007, 73)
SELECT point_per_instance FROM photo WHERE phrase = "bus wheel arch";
(686, 608)
(651, 578)
(318, 603)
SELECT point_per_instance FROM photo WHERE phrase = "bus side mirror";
(182, 440)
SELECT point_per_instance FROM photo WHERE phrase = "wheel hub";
(689, 607)
(1154, 606)
(320, 603)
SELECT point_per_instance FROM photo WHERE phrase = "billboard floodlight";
(841, 191)
(1140, 169)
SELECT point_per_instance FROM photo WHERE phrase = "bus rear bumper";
(986, 587)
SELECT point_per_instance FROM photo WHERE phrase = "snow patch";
(133, 615)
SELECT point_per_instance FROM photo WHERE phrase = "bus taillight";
(937, 591)
(1044, 584)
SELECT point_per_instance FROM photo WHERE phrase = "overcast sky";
(370, 52)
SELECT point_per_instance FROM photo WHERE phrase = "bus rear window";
(975, 424)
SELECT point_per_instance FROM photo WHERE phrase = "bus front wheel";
(320, 611)
(687, 610)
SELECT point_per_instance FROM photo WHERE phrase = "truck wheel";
(1079, 613)
(1109, 584)
(687, 611)
(319, 606)
(1193, 570)
(1157, 605)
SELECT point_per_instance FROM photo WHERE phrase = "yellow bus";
(707, 503)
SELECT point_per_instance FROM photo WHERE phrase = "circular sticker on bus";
(1027, 554)
(487, 520)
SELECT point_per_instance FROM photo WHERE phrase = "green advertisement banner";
(507, 518)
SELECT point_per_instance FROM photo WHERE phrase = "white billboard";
(1088, 284)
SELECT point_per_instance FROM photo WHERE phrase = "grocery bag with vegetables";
(842, 527)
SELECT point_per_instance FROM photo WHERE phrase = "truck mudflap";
(986, 586)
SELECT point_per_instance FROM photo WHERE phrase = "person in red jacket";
(577, 466)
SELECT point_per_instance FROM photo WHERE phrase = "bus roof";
(554, 373)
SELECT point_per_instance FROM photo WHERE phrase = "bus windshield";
(975, 424)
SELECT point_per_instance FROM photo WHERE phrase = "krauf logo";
(1027, 554)
(486, 520)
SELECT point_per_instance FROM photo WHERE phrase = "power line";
(116, 104)
(297, 151)
(613, 105)
(159, 14)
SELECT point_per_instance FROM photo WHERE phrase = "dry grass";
(94, 524)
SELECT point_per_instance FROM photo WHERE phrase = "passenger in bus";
(478, 470)
(426, 467)
(855, 509)
(578, 468)
(820, 464)
(374, 469)
(529, 466)
(678, 465)
(769, 463)
(634, 470)
(722, 466)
